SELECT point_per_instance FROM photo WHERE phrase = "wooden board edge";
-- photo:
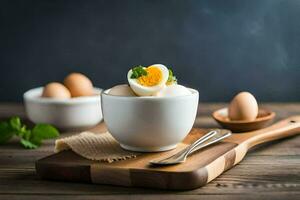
(63, 172)
(172, 180)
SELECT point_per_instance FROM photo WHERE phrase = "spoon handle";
(213, 140)
(181, 155)
(200, 141)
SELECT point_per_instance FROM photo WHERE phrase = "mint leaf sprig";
(29, 138)
(138, 72)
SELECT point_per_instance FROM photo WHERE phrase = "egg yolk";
(153, 77)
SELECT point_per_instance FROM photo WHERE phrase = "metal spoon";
(208, 139)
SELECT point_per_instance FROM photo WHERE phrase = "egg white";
(145, 90)
(173, 90)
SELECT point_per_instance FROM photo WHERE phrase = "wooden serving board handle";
(244, 141)
(285, 128)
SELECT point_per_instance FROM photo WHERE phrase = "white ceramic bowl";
(74, 113)
(149, 124)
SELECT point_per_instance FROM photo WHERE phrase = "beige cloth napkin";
(100, 147)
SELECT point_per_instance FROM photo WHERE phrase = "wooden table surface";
(270, 171)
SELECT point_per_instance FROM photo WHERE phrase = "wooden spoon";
(263, 119)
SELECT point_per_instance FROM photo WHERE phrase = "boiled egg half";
(147, 81)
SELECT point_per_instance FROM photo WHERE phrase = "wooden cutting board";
(199, 169)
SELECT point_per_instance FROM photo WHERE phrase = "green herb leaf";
(15, 123)
(6, 133)
(25, 134)
(29, 139)
(41, 132)
(28, 145)
(171, 79)
(138, 72)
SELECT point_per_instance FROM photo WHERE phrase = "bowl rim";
(270, 116)
(33, 95)
(194, 92)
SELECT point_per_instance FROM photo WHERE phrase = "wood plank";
(272, 181)
(262, 174)
(224, 185)
(273, 196)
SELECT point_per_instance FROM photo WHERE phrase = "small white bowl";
(74, 113)
(149, 124)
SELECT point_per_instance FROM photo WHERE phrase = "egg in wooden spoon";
(243, 114)
(243, 107)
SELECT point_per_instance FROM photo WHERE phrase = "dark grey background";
(217, 47)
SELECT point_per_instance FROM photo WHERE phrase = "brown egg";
(121, 90)
(56, 90)
(79, 85)
(243, 107)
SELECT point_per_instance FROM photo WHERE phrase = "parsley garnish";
(138, 72)
(171, 79)
(29, 138)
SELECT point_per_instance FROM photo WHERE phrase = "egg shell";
(56, 90)
(141, 90)
(121, 90)
(173, 90)
(243, 107)
(79, 85)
